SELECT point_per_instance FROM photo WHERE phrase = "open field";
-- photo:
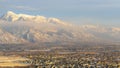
(12, 61)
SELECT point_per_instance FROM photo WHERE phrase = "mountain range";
(23, 28)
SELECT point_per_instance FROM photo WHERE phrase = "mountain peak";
(9, 16)
(13, 17)
(10, 12)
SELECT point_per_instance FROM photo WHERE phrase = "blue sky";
(105, 12)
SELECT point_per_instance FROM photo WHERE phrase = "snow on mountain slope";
(38, 29)
(46, 32)
(13, 17)
(105, 33)
(7, 38)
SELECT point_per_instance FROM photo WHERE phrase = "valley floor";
(13, 61)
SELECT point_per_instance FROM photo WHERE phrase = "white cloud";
(26, 8)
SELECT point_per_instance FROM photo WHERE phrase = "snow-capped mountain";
(40, 29)
(13, 17)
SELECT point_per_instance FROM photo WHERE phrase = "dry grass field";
(12, 61)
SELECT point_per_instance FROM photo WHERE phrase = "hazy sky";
(76, 11)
